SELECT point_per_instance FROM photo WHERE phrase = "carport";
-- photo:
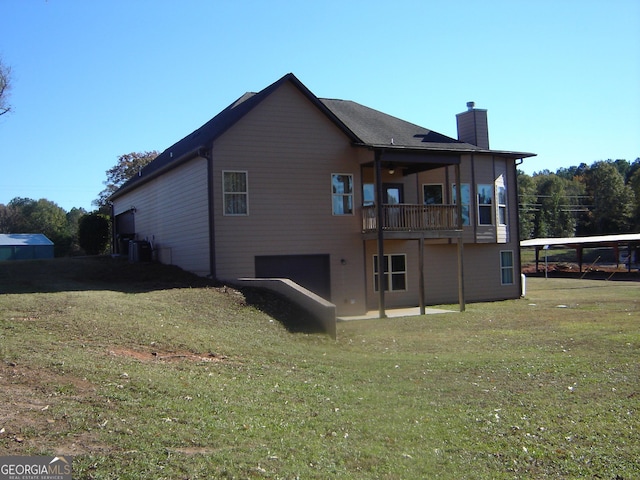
(630, 240)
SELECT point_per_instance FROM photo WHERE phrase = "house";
(338, 197)
(25, 246)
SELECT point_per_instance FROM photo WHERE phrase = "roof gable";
(364, 126)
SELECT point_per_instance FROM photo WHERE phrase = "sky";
(93, 80)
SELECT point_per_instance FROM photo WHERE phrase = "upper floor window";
(342, 193)
(485, 202)
(368, 195)
(432, 194)
(466, 200)
(235, 192)
(502, 205)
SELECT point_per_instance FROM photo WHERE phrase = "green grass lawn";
(142, 371)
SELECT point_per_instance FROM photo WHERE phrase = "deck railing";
(405, 217)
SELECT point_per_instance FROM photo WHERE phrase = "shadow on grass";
(294, 318)
(93, 273)
(119, 275)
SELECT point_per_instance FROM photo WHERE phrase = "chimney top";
(471, 105)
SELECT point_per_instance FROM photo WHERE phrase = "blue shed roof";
(23, 239)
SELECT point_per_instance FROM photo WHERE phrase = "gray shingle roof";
(362, 125)
(375, 128)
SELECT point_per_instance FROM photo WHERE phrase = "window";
(502, 205)
(485, 200)
(235, 193)
(395, 272)
(368, 195)
(342, 193)
(506, 267)
(466, 200)
(432, 194)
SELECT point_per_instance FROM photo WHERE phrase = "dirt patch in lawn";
(32, 404)
(158, 356)
(30, 421)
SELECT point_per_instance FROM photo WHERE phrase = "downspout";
(113, 228)
(380, 231)
(519, 264)
(208, 155)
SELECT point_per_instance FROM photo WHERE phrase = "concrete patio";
(394, 313)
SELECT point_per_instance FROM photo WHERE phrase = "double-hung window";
(394, 277)
(502, 205)
(485, 202)
(342, 193)
(235, 192)
(506, 267)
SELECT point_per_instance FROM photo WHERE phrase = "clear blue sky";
(96, 79)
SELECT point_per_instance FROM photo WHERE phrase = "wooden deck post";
(421, 278)
(381, 262)
(461, 299)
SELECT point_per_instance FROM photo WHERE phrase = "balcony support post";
(421, 278)
(461, 299)
(380, 232)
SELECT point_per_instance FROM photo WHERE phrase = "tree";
(5, 86)
(127, 167)
(93, 233)
(613, 201)
(527, 203)
(634, 184)
(555, 218)
(25, 215)
(73, 219)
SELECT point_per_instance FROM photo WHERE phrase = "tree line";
(603, 198)
(76, 232)
(597, 199)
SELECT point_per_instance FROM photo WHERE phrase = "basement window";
(395, 273)
(506, 267)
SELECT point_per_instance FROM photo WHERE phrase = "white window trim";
(512, 268)
(390, 272)
(352, 195)
(225, 193)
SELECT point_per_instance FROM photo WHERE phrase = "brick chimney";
(473, 127)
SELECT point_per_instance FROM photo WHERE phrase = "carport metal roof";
(579, 243)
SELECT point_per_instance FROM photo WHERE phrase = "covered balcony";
(412, 220)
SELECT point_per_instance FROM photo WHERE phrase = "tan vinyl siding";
(171, 212)
(289, 150)
(482, 268)
(394, 299)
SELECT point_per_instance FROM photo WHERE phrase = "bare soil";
(28, 396)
